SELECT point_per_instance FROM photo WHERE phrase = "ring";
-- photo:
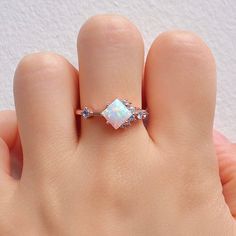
(120, 113)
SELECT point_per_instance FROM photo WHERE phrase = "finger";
(4, 159)
(11, 146)
(226, 155)
(110, 52)
(8, 130)
(45, 90)
(8, 184)
(180, 89)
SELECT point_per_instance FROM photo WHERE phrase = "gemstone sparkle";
(116, 113)
(86, 113)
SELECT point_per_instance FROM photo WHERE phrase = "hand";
(84, 177)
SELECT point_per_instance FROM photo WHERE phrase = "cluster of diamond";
(137, 114)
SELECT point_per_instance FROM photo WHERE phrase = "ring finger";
(111, 55)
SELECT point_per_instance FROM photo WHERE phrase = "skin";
(64, 176)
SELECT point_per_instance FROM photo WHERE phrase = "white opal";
(116, 113)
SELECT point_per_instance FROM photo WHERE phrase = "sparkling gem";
(126, 102)
(86, 113)
(140, 115)
(132, 109)
(132, 117)
(126, 124)
(117, 113)
(145, 115)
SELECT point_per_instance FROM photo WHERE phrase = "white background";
(50, 25)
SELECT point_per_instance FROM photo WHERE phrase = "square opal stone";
(116, 113)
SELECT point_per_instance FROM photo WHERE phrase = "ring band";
(120, 113)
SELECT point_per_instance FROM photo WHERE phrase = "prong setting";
(86, 113)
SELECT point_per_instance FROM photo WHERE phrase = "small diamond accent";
(125, 102)
(86, 113)
(132, 109)
(141, 115)
(117, 113)
(145, 114)
(132, 118)
(126, 124)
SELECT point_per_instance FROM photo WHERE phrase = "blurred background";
(52, 25)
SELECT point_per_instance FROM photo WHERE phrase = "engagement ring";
(120, 113)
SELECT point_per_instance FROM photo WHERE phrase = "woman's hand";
(84, 177)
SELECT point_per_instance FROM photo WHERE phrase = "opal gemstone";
(116, 113)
